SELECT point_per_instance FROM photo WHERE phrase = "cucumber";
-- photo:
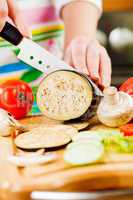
(107, 130)
(83, 141)
(90, 135)
(99, 135)
(84, 153)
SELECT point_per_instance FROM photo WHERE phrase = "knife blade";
(37, 57)
(109, 194)
(31, 53)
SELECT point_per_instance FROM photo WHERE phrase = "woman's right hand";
(10, 12)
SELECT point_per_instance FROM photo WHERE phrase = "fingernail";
(95, 74)
(96, 77)
(106, 83)
(30, 34)
(85, 71)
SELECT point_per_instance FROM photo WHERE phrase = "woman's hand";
(10, 12)
(90, 58)
(82, 50)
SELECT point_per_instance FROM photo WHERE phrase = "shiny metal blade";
(80, 196)
(37, 57)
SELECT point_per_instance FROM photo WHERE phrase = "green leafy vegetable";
(119, 143)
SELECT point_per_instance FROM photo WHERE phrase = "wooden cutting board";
(115, 172)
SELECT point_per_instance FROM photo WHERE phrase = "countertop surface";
(115, 172)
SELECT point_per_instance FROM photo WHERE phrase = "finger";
(79, 50)
(23, 28)
(3, 13)
(105, 68)
(93, 62)
(16, 15)
(68, 56)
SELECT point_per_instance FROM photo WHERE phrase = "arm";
(82, 50)
(81, 18)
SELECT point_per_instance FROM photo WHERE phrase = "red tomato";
(127, 86)
(16, 97)
(127, 129)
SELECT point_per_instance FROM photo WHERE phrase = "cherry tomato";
(127, 129)
(127, 86)
(16, 97)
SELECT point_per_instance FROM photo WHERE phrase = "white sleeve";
(97, 3)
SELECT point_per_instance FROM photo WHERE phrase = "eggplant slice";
(68, 95)
(46, 137)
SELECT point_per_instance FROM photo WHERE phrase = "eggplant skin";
(46, 149)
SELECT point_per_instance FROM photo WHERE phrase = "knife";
(36, 56)
(109, 194)
(31, 53)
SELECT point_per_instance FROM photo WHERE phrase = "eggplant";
(68, 95)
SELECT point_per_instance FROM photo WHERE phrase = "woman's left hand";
(90, 58)
(10, 12)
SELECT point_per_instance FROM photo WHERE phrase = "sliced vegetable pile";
(49, 137)
(90, 146)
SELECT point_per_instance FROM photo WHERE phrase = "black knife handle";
(11, 34)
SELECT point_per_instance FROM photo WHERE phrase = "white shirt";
(58, 3)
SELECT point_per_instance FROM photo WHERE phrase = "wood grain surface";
(114, 172)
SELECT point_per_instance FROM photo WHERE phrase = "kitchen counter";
(115, 172)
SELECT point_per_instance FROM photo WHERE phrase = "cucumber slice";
(99, 135)
(83, 141)
(83, 154)
(107, 130)
(90, 135)
(110, 132)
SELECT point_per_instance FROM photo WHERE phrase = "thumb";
(22, 26)
(16, 15)
(3, 13)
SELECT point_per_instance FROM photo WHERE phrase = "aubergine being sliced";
(68, 95)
